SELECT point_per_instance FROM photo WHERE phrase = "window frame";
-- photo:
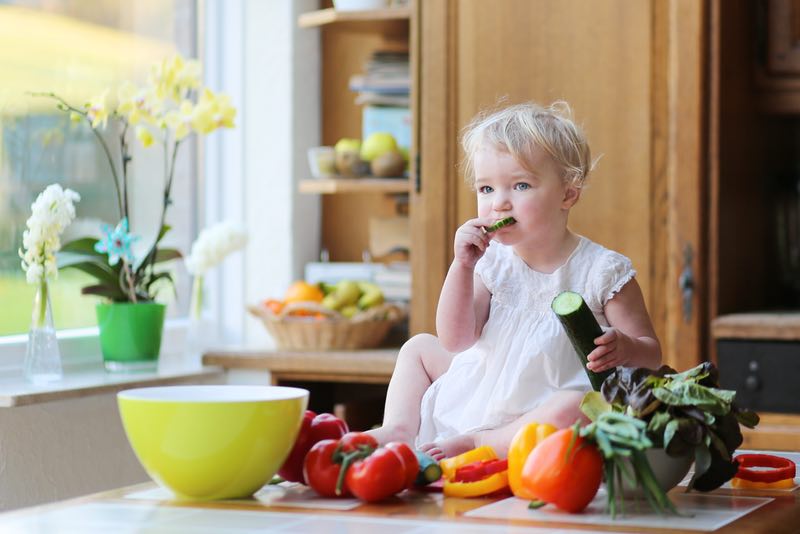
(80, 347)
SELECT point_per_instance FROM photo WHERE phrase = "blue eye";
(485, 189)
(522, 186)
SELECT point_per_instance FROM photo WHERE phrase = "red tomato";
(313, 429)
(292, 468)
(378, 476)
(353, 441)
(319, 470)
(409, 460)
(327, 426)
(571, 482)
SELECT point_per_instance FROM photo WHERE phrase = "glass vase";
(42, 357)
(198, 334)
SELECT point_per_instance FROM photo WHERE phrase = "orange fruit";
(274, 305)
(302, 291)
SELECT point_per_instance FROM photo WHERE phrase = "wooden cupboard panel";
(572, 50)
(345, 49)
(783, 36)
(634, 74)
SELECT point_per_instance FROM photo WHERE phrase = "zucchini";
(499, 224)
(581, 328)
(429, 470)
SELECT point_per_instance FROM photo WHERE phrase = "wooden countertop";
(784, 326)
(139, 508)
(357, 366)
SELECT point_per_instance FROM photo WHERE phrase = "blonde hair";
(519, 128)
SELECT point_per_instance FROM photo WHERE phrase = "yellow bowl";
(212, 442)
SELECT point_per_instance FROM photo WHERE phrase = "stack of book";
(386, 80)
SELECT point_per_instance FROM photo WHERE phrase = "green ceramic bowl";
(212, 442)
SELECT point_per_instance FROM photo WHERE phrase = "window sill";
(94, 380)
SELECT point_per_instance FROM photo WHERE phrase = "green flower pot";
(130, 335)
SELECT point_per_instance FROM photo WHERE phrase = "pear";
(349, 311)
(371, 295)
(347, 292)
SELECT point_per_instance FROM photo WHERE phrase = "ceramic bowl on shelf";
(322, 161)
(212, 442)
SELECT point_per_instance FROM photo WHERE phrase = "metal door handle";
(686, 283)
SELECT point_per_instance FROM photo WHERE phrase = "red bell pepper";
(313, 429)
(778, 468)
(479, 470)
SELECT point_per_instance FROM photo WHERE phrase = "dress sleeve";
(614, 271)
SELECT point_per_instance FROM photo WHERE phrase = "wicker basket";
(367, 329)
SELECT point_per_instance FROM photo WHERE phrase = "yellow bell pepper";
(525, 440)
(486, 486)
(449, 465)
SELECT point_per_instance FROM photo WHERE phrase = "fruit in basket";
(349, 311)
(371, 295)
(302, 291)
(377, 144)
(346, 293)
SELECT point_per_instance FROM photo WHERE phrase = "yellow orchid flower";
(144, 135)
(212, 112)
(97, 110)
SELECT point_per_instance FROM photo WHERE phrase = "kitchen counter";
(146, 507)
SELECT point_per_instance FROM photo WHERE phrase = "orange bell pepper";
(449, 465)
(525, 440)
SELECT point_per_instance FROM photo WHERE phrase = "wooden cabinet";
(348, 39)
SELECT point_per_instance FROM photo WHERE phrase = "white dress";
(523, 354)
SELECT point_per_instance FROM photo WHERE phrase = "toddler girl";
(502, 359)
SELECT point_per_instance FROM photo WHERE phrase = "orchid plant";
(165, 111)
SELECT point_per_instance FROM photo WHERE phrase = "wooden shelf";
(355, 185)
(330, 16)
(763, 325)
(371, 366)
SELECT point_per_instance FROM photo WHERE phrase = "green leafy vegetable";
(685, 413)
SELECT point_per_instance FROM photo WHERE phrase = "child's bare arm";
(631, 341)
(561, 410)
(464, 301)
(463, 309)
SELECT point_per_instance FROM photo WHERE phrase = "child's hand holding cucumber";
(473, 237)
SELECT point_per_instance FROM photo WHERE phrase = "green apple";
(345, 144)
(376, 144)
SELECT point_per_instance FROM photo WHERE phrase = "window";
(77, 49)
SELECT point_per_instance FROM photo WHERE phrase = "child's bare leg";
(561, 410)
(421, 361)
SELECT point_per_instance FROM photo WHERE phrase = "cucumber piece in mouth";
(499, 224)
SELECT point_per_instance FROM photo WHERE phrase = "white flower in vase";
(212, 246)
(52, 211)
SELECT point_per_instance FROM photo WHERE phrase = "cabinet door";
(609, 59)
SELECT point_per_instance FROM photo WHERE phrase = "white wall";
(62, 449)
(257, 53)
